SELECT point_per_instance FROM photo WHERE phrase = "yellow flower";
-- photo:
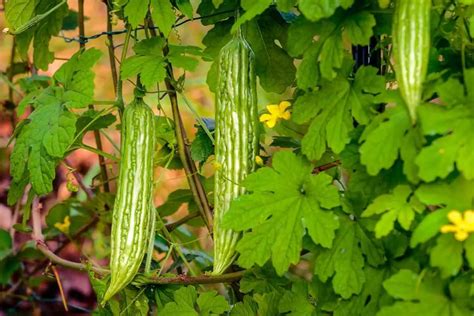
(276, 112)
(64, 226)
(463, 224)
(259, 160)
(217, 165)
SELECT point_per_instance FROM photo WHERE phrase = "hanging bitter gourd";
(236, 139)
(411, 47)
(132, 213)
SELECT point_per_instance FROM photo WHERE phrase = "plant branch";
(98, 141)
(183, 147)
(326, 166)
(80, 180)
(99, 152)
(38, 237)
(172, 226)
(110, 47)
(62, 245)
(188, 280)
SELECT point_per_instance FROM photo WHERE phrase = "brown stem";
(110, 47)
(80, 181)
(98, 141)
(67, 263)
(187, 280)
(185, 156)
(179, 222)
(37, 236)
(326, 166)
(183, 147)
(62, 245)
(11, 69)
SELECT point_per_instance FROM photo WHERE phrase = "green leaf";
(429, 226)
(344, 261)
(262, 280)
(186, 298)
(454, 147)
(213, 11)
(422, 294)
(45, 138)
(469, 249)
(163, 14)
(333, 107)
(17, 188)
(359, 27)
(447, 247)
(455, 194)
(307, 74)
(301, 33)
(8, 266)
(246, 308)
(42, 32)
(276, 233)
(367, 302)
(135, 11)
(151, 69)
(268, 303)
(388, 129)
(186, 7)
(77, 78)
(331, 56)
(92, 120)
(403, 285)
(396, 206)
(19, 12)
(179, 56)
(148, 62)
(210, 303)
(5, 244)
(285, 5)
(261, 33)
(315, 10)
(296, 301)
(202, 146)
(175, 200)
(252, 9)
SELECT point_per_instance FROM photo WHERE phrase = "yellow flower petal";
(273, 109)
(284, 105)
(285, 115)
(455, 217)
(217, 165)
(461, 235)
(259, 160)
(271, 122)
(469, 217)
(265, 117)
(64, 226)
(449, 229)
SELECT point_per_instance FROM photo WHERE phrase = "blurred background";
(44, 294)
(41, 294)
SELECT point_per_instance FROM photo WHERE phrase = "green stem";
(98, 152)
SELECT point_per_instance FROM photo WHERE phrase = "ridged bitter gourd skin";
(132, 213)
(411, 47)
(236, 139)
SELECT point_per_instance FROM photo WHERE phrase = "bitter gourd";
(132, 212)
(411, 47)
(236, 139)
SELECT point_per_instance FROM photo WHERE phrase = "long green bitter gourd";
(236, 139)
(132, 213)
(411, 47)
